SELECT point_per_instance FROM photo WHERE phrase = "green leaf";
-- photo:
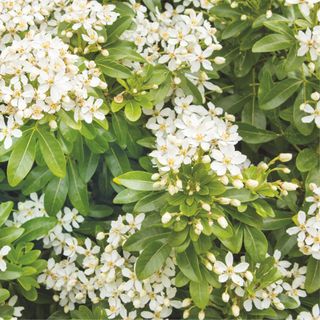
(263, 208)
(136, 180)
(188, 263)
(120, 129)
(190, 89)
(132, 110)
(56, 194)
(5, 210)
(21, 158)
(52, 153)
(129, 196)
(36, 180)
(117, 160)
(244, 195)
(255, 243)
(77, 191)
(37, 228)
(234, 29)
(251, 134)
(12, 272)
(200, 293)
(4, 295)
(279, 93)
(9, 234)
(140, 239)
(273, 42)
(118, 27)
(151, 202)
(153, 4)
(234, 243)
(312, 283)
(151, 259)
(112, 69)
(306, 160)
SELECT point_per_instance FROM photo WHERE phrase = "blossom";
(228, 271)
(313, 315)
(8, 130)
(314, 114)
(309, 42)
(3, 252)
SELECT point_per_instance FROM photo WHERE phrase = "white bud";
(201, 315)
(252, 183)
(79, 296)
(69, 34)
(243, 17)
(211, 257)
(225, 297)
(206, 206)
(230, 117)
(235, 202)
(315, 96)
(108, 248)
(56, 298)
(312, 186)
(237, 184)
(105, 52)
(179, 184)
(216, 46)
(302, 106)
(100, 236)
(285, 157)
(166, 217)
(135, 90)
(222, 222)
(219, 60)
(208, 265)
(234, 5)
(235, 310)
(249, 275)
(53, 124)
(198, 228)
(263, 166)
(206, 159)
(155, 86)
(289, 186)
(186, 302)
(311, 67)
(286, 170)
(155, 176)
(224, 200)
(186, 314)
(268, 14)
(100, 39)
(224, 180)
(177, 80)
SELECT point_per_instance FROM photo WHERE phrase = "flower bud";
(201, 315)
(176, 80)
(135, 90)
(235, 310)
(249, 275)
(211, 257)
(69, 34)
(166, 217)
(155, 86)
(315, 96)
(312, 186)
(230, 117)
(186, 314)
(234, 5)
(208, 265)
(286, 170)
(105, 52)
(155, 176)
(235, 202)
(186, 302)
(285, 157)
(311, 67)
(100, 39)
(53, 124)
(302, 106)
(224, 200)
(268, 14)
(243, 17)
(56, 298)
(289, 186)
(225, 297)
(224, 180)
(222, 222)
(206, 206)
(100, 235)
(206, 159)
(250, 183)
(263, 166)
(219, 60)
(237, 184)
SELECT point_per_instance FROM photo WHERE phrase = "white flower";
(309, 42)
(8, 130)
(227, 158)
(3, 252)
(305, 315)
(314, 114)
(304, 5)
(228, 271)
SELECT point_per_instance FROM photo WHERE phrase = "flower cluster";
(40, 77)
(178, 38)
(89, 18)
(189, 133)
(314, 112)
(109, 274)
(307, 226)
(241, 289)
(304, 5)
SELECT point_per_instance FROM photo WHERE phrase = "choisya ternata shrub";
(159, 159)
